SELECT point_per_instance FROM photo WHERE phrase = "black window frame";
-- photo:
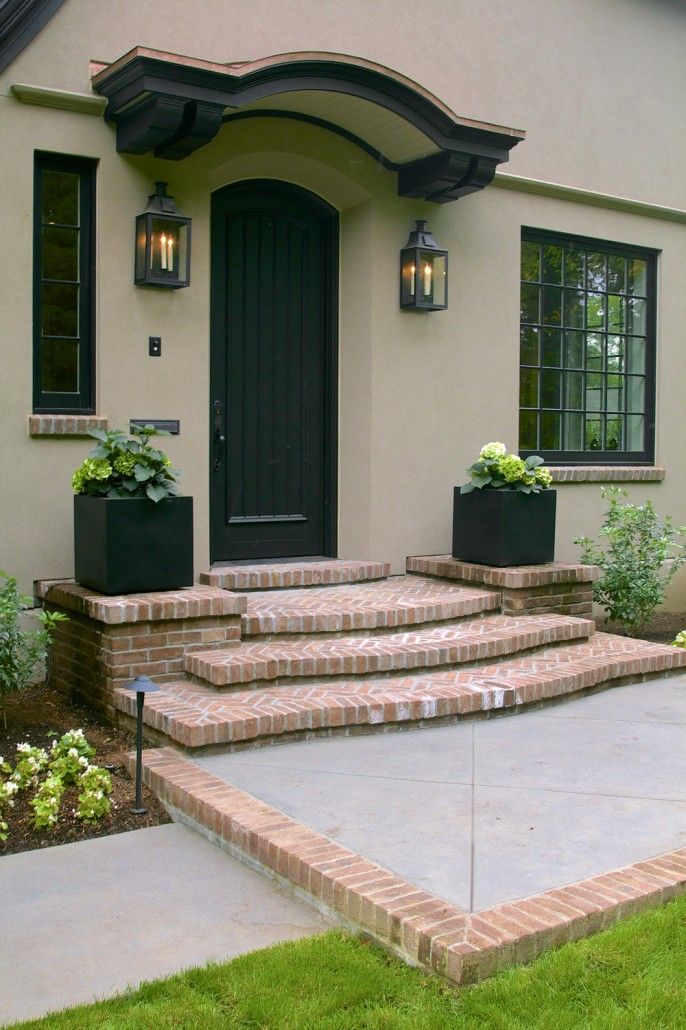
(81, 402)
(650, 256)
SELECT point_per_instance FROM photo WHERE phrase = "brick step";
(468, 641)
(283, 575)
(365, 607)
(195, 716)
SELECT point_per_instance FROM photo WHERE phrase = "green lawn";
(633, 975)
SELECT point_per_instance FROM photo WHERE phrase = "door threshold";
(271, 561)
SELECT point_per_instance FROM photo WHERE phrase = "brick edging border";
(422, 928)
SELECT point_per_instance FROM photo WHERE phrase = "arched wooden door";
(274, 287)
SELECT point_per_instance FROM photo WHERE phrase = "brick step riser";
(464, 655)
(400, 724)
(429, 620)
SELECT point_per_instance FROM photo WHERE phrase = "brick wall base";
(107, 641)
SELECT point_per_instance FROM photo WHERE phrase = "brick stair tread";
(399, 601)
(194, 715)
(280, 575)
(469, 640)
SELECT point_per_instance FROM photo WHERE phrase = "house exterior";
(542, 144)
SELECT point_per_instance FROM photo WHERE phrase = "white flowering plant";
(495, 469)
(67, 764)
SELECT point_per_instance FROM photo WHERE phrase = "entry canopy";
(171, 105)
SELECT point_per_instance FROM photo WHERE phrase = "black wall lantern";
(163, 243)
(423, 272)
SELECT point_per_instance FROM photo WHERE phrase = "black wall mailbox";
(169, 425)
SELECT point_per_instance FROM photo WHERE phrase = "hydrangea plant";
(495, 469)
(49, 774)
(126, 466)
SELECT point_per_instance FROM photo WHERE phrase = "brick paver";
(467, 641)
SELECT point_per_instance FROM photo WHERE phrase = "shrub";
(121, 466)
(20, 650)
(638, 555)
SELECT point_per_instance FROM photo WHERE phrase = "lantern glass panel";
(168, 249)
(408, 273)
(432, 278)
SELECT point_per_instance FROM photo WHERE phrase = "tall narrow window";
(587, 351)
(64, 224)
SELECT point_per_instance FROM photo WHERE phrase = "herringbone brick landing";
(378, 652)
(367, 607)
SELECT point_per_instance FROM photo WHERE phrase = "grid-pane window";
(63, 284)
(586, 350)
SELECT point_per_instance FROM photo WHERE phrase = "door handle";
(219, 441)
(219, 437)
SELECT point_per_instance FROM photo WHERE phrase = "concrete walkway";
(82, 921)
(488, 811)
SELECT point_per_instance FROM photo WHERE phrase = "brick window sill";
(606, 473)
(65, 425)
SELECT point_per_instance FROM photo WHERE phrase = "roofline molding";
(171, 106)
(20, 23)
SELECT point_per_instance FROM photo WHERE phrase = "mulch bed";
(662, 628)
(41, 714)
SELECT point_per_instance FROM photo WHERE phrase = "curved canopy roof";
(172, 105)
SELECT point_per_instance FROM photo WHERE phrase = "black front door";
(273, 373)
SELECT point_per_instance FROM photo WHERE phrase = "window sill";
(606, 473)
(65, 425)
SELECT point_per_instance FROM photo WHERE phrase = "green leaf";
(532, 462)
(155, 493)
(143, 473)
(467, 488)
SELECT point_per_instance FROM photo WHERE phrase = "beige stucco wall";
(418, 394)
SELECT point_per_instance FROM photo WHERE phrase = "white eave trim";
(591, 198)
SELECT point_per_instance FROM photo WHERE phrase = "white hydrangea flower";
(491, 451)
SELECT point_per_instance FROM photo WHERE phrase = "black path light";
(423, 272)
(163, 243)
(142, 685)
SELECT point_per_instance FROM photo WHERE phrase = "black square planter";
(504, 527)
(126, 545)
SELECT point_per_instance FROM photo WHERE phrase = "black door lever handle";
(219, 441)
